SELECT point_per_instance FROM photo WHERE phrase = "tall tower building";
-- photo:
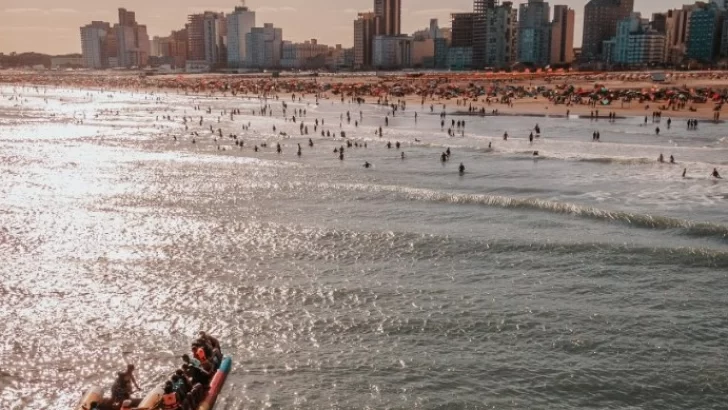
(215, 35)
(600, 24)
(534, 32)
(265, 46)
(364, 28)
(434, 29)
(132, 41)
(704, 33)
(388, 17)
(92, 44)
(562, 35)
(481, 6)
(127, 18)
(239, 23)
(501, 38)
(676, 31)
(196, 37)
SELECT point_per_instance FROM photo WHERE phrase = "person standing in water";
(130, 377)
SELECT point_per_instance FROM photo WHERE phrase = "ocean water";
(590, 277)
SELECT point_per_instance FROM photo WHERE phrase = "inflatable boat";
(199, 398)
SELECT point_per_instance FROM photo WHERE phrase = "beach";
(558, 272)
(626, 94)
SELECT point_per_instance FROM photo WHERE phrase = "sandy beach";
(696, 95)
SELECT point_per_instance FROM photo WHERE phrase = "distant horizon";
(40, 26)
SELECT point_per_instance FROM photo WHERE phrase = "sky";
(52, 26)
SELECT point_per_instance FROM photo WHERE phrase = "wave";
(345, 246)
(698, 229)
(619, 160)
(519, 153)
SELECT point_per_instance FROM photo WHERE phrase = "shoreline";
(570, 116)
(700, 96)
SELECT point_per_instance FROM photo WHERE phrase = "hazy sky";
(52, 26)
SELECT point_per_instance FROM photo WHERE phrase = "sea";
(589, 276)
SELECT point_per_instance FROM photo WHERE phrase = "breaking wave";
(646, 221)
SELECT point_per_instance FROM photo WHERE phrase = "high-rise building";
(392, 52)
(460, 52)
(196, 37)
(481, 10)
(388, 17)
(434, 29)
(704, 33)
(722, 5)
(562, 35)
(173, 48)
(534, 30)
(127, 18)
(132, 41)
(482, 6)
(92, 44)
(423, 53)
(600, 24)
(264, 46)
(178, 47)
(637, 43)
(496, 48)
(441, 51)
(307, 55)
(462, 29)
(111, 48)
(676, 32)
(659, 22)
(364, 28)
(239, 23)
(156, 46)
(215, 37)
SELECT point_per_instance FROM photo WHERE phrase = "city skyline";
(42, 26)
